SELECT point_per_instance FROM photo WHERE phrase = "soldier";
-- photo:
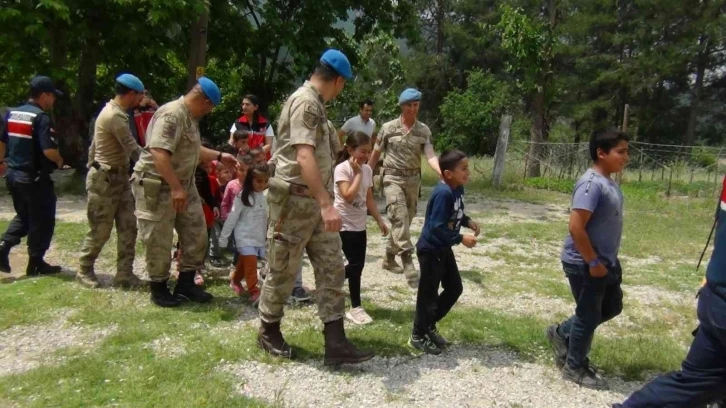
(107, 184)
(166, 196)
(403, 141)
(302, 216)
(32, 155)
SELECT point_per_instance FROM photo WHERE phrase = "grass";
(662, 240)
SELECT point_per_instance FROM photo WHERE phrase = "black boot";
(4, 255)
(338, 350)
(269, 338)
(37, 266)
(186, 289)
(161, 296)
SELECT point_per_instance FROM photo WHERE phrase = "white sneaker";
(358, 316)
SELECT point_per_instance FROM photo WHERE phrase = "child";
(353, 195)
(219, 176)
(235, 186)
(590, 258)
(444, 218)
(259, 155)
(248, 220)
(240, 142)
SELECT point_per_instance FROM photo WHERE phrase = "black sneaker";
(300, 294)
(5, 256)
(422, 343)
(559, 345)
(37, 267)
(587, 377)
(434, 335)
(217, 263)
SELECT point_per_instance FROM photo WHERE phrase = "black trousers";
(354, 248)
(34, 201)
(438, 268)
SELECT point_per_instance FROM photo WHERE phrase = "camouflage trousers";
(401, 201)
(157, 221)
(300, 227)
(110, 202)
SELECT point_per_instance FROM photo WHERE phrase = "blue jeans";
(598, 300)
(702, 379)
(34, 201)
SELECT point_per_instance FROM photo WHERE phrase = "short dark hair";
(449, 159)
(605, 139)
(227, 148)
(239, 134)
(325, 72)
(121, 89)
(366, 102)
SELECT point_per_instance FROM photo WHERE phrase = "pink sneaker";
(237, 288)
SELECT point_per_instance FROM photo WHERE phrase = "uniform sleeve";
(586, 196)
(45, 135)
(381, 141)
(305, 118)
(165, 133)
(122, 133)
(427, 136)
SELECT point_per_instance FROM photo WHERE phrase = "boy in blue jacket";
(444, 218)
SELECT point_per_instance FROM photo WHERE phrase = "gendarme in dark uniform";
(31, 154)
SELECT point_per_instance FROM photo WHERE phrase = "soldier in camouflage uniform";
(302, 216)
(107, 184)
(404, 141)
(166, 196)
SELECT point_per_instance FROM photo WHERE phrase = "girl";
(248, 220)
(353, 196)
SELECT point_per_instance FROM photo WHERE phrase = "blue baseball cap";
(409, 95)
(44, 84)
(130, 81)
(338, 62)
(211, 90)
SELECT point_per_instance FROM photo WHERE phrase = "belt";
(400, 172)
(300, 191)
(120, 169)
(143, 175)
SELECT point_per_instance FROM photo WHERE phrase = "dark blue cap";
(409, 95)
(44, 84)
(131, 82)
(211, 90)
(338, 62)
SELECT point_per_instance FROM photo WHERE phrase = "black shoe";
(338, 349)
(422, 343)
(216, 262)
(269, 338)
(161, 296)
(434, 335)
(559, 345)
(586, 377)
(186, 289)
(37, 267)
(4, 256)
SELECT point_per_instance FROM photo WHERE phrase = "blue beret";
(339, 62)
(409, 95)
(131, 82)
(210, 89)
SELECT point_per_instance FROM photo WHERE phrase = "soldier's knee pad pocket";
(147, 199)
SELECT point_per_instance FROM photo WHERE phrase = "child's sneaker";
(300, 294)
(216, 262)
(237, 288)
(255, 298)
(422, 343)
(358, 316)
(434, 335)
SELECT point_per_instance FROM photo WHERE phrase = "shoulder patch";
(169, 128)
(311, 117)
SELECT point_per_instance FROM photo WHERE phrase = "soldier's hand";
(179, 199)
(468, 241)
(331, 218)
(230, 161)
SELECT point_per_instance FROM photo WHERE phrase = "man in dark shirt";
(30, 152)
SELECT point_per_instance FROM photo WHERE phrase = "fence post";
(640, 167)
(501, 153)
(526, 162)
(670, 179)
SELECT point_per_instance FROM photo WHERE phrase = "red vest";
(256, 131)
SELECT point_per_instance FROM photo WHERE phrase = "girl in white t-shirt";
(353, 197)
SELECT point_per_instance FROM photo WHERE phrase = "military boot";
(186, 289)
(37, 266)
(86, 277)
(391, 265)
(338, 350)
(409, 270)
(269, 338)
(5, 256)
(161, 296)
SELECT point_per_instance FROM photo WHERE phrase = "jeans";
(34, 201)
(354, 248)
(438, 268)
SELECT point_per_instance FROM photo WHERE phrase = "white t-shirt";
(268, 133)
(353, 214)
(356, 124)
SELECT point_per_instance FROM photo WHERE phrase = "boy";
(444, 218)
(590, 258)
(239, 140)
(259, 155)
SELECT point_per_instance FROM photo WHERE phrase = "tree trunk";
(440, 18)
(83, 101)
(537, 134)
(198, 48)
(701, 62)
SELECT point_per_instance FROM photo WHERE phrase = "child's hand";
(474, 227)
(468, 241)
(215, 210)
(384, 228)
(355, 166)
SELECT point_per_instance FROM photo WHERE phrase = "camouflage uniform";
(295, 220)
(109, 194)
(172, 129)
(401, 182)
